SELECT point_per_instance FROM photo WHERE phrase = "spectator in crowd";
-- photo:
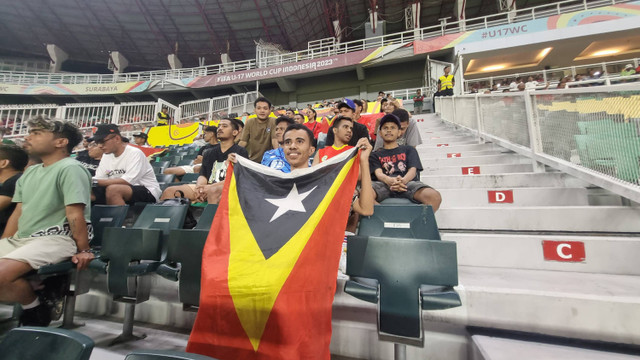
(298, 145)
(383, 105)
(275, 158)
(342, 132)
(290, 113)
(240, 128)
(209, 135)
(628, 70)
(531, 84)
(140, 139)
(298, 118)
(397, 168)
(92, 161)
(348, 108)
(49, 223)
(208, 187)
(409, 133)
(381, 94)
(258, 135)
(124, 174)
(522, 87)
(446, 83)
(495, 87)
(13, 160)
(312, 124)
(418, 101)
(163, 118)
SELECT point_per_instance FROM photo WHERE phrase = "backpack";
(179, 199)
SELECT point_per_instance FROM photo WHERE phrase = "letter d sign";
(500, 196)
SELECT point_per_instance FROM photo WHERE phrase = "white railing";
(590, 133)
(15, 117)
(608, 74)
(216, 108)
(319, 49)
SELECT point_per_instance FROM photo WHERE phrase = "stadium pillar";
(459, 8)
(286, 85)
(57, 57)
(117, 62)
(174, 62)
(360, 72)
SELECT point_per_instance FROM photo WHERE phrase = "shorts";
(383, 192)
(188, 169)
(38, 251)
(139, 194)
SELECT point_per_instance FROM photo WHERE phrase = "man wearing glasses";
(124, 174)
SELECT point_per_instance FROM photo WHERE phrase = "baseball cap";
(348, 103)
(389, 118)
(105, 130)
(628, 66)
(142, 135)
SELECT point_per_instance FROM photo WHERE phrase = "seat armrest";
(168, 272)
(365, 292)
(439, 298)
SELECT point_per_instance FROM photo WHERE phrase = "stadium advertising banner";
(584, 17)
(299, 67)
(77, 89)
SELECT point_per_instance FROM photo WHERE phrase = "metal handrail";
(313, 52)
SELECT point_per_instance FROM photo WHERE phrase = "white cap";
(628, 66)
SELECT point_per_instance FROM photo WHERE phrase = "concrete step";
(612, 219)
(586, 306)
(602, 254)
(478, 170)
(431, 156)
(476, 160)
(453, 148)
(450, 140)
(497, 348)
(452, 198)
(494, 181)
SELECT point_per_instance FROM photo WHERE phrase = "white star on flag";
(293, 202)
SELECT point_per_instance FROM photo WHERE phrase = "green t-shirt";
(45, 191)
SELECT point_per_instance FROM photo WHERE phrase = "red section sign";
(471, 170)
(454, 155)
(277, 71)
(501, 196)
(566, 251)
(442, 145)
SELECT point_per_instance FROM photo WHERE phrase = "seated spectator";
(383, 106)
(298, 118)
(348, 108)
(275, 158)
(240, 127)
(628, 70)
(396, 168)
(290, 113)
(409, 133)
(209, 136)
(299, 145)
(312, 124)
(49, 223)
(343, 131)
(258, 135)
(13, 160)
(208, 187)
(124, 174)
(92, 161)
(140, 139)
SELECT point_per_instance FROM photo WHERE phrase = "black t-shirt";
(7, 189)
(359, 131)
(205, 148)
(213, 162)
(397, 161)
(89, 163)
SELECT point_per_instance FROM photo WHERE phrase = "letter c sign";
(566, 251)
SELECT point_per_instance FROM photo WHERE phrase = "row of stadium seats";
(627, 106)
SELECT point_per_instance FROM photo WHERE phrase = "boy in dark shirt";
(13, 160)
(397, 167)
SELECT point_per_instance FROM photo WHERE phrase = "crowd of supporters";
(47, 190)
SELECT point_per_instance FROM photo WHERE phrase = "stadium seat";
(159, 166)
(165, 180)
(164, 355)
(133, 253)
(32, 343)
(185, 162)
(190, 177)
(206, 218)
(408, 276)
(103, 216)
(400, 219)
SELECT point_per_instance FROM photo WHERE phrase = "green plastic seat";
(611, 155)
(185, 162)
(401, 220)
(206, 218)
(165, 179)
(190, 177)
(164, 355)
(408, 275)
(32, 343)
(103, 216)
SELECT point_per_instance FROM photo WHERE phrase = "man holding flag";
(269, 269)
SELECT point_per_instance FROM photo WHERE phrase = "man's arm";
(79, 233)
(242, 143)
(411, 174)
(12, 224)
(5, 201)
(107, 182)
(367, 198)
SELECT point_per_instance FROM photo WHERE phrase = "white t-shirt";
(131, 166)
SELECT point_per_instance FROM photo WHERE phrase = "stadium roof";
(146, 31)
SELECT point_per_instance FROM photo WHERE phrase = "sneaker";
(37, 316)
(53, 293)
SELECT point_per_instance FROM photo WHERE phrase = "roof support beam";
(232, 33)
(212, 35)
(264, 23)
(155, 29)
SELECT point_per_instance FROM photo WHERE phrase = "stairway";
(541, 253)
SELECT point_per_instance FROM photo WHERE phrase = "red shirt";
(369, 120)
(315, 127)
(328, 152)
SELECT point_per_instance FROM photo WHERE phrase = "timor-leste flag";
(270, 262)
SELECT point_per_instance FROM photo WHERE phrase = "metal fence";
(314, 52)
(14, 117)
(591, 133)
